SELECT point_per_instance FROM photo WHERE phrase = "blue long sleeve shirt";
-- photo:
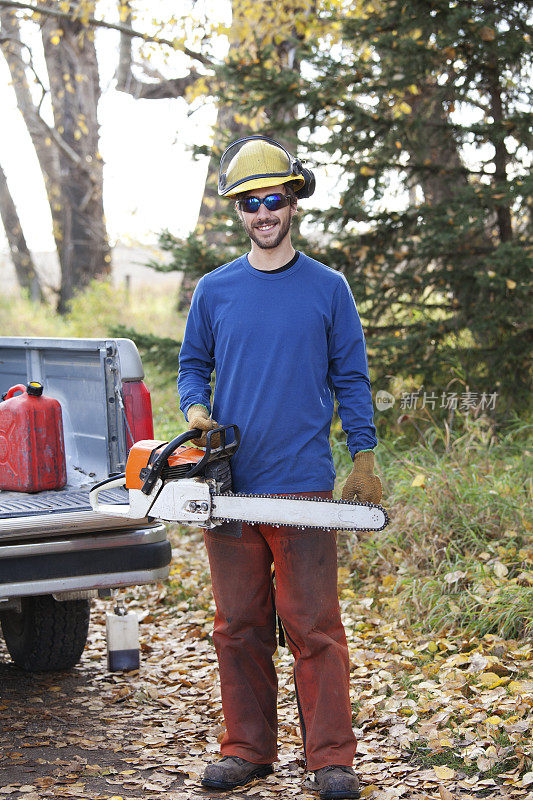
(282, 345)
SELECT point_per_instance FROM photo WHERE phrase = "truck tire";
(46, 635)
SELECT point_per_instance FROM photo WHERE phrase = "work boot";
(337, 783)
(233, 771)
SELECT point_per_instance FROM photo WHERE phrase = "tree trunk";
(501, 156)
(68, 152)
(83, 249)
(444, 175)
(20, 255)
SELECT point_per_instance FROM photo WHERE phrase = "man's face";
(267, 228)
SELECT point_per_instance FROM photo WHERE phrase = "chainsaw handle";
(162, 458)
(103, 508)
(218, 452)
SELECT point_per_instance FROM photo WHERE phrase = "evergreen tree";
(425, 108)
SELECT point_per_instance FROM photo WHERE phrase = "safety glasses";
(273, 202)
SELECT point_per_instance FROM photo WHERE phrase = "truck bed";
(21, 504)
(58, 513)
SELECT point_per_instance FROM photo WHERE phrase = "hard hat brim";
(263, 182)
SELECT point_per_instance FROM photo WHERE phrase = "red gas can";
(32, 452)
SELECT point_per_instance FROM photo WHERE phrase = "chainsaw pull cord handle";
(162, 458)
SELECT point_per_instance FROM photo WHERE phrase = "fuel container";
(32, 450)
(122, 635)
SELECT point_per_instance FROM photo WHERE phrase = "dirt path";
(83, 734)
(435, 718)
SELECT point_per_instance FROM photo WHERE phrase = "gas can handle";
(18, 388)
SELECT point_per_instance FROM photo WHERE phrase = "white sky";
(150, 179)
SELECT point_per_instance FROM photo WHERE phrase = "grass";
(458, 553)
(94, 313)
(421, 754)
(451, 757)
(505, 611)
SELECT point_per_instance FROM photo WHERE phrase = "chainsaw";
(176, 482)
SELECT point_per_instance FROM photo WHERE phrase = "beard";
(268, 242)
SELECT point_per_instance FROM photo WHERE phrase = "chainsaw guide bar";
(340, 515)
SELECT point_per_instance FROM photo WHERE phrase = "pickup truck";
(56, 554)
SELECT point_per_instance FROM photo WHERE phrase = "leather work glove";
(362, 484)
(198, 417)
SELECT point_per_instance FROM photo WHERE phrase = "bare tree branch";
(64, 146)
(20, 255)
(127, 82)
(164, 88)
(35, 8)
(29, 64)
(28, 107)
(11, 45)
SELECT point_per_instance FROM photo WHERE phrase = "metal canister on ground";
(122, 636)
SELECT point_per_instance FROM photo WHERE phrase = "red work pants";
(306, 600)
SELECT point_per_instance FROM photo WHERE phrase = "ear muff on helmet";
(309, 184)
(257, 162)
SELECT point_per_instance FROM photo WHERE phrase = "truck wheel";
(46, 635)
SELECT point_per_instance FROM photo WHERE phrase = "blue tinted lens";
(275, 201)
(250, 204)
(272, 202)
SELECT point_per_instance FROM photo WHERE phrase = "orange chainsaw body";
(143, 453)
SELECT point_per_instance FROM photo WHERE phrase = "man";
(283, 335)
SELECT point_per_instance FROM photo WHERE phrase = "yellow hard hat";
(257, 162)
